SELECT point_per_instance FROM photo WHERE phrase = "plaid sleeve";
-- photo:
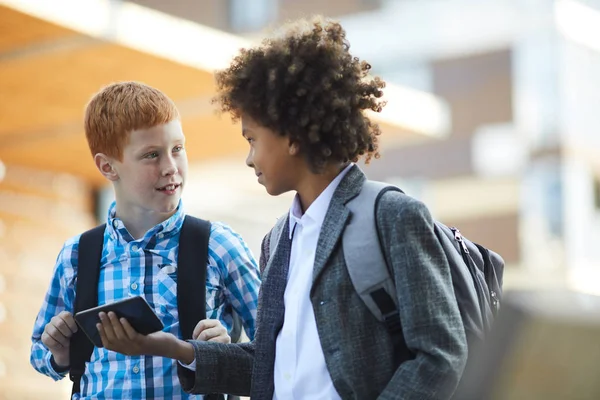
(239, 270)
(59, 297)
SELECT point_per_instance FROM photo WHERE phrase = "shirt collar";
(168, 227)
(318, 209)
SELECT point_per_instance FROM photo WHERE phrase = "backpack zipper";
(459, 239)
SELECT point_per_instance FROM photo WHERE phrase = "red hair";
(120, 108)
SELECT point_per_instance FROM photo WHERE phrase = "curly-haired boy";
(301, 97)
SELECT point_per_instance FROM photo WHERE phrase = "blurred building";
(518, 171)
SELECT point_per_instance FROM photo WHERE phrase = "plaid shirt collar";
(169, 227)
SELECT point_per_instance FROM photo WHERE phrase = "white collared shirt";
(300, 370)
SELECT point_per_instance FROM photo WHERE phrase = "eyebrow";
(154, 147)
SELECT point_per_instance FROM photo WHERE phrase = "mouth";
(170, 188)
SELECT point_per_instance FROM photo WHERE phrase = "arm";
(220, 368)
(239, 272)
(56, 311)
(119, 336)
(430, 317)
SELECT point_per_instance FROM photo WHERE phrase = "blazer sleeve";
(220, 368)
(429, 313)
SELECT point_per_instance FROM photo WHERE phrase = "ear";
(293, 148)
(105, 166)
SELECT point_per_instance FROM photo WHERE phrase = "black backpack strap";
(86, 296)
(191, 274)
(192, 262)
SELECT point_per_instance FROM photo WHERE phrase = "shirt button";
(134, 248)
(287, 376)
(136, 369)
(134, 286)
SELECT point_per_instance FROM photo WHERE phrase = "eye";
(250, 140)
(151, 155)
(177, 149)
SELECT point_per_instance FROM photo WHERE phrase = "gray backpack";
(476, 271)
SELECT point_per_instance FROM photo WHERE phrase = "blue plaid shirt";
(147, 267)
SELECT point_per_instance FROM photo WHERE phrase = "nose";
(250, 159)
(169, 166)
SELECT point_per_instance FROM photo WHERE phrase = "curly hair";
(305, 84)
(120, 108)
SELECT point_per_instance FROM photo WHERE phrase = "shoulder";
(69, 251)
(221, 234)
(66, 261)
(225, 242)
(273, 233)
(394, 206)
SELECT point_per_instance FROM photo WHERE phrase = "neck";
(313, 184)
(138, 222)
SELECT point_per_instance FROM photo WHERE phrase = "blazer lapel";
(336, 218)
(270, 316)
(275, 280)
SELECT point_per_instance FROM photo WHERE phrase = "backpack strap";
(89, 255)
(191, 272)
(192, 263)
(362, 247)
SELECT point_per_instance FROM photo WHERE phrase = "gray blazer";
(358, 349)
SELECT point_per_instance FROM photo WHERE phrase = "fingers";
(58, 331)
(117, 326)
(203, 325)
(68, 319)
(62, 324)
(57, 335)
(131, 333)
(114, 331)
(211, 331)
(224, 338)
(50, 342)
(107, 327)
(217, 334)
(200, 326)
(102, 334)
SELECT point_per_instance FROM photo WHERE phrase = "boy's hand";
(211, 330)
(57, 337)
(118, 335)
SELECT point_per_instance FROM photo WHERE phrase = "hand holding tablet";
(135, 310)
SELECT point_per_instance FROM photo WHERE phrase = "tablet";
(136, 310)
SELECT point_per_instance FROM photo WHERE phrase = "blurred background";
(493, 121)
